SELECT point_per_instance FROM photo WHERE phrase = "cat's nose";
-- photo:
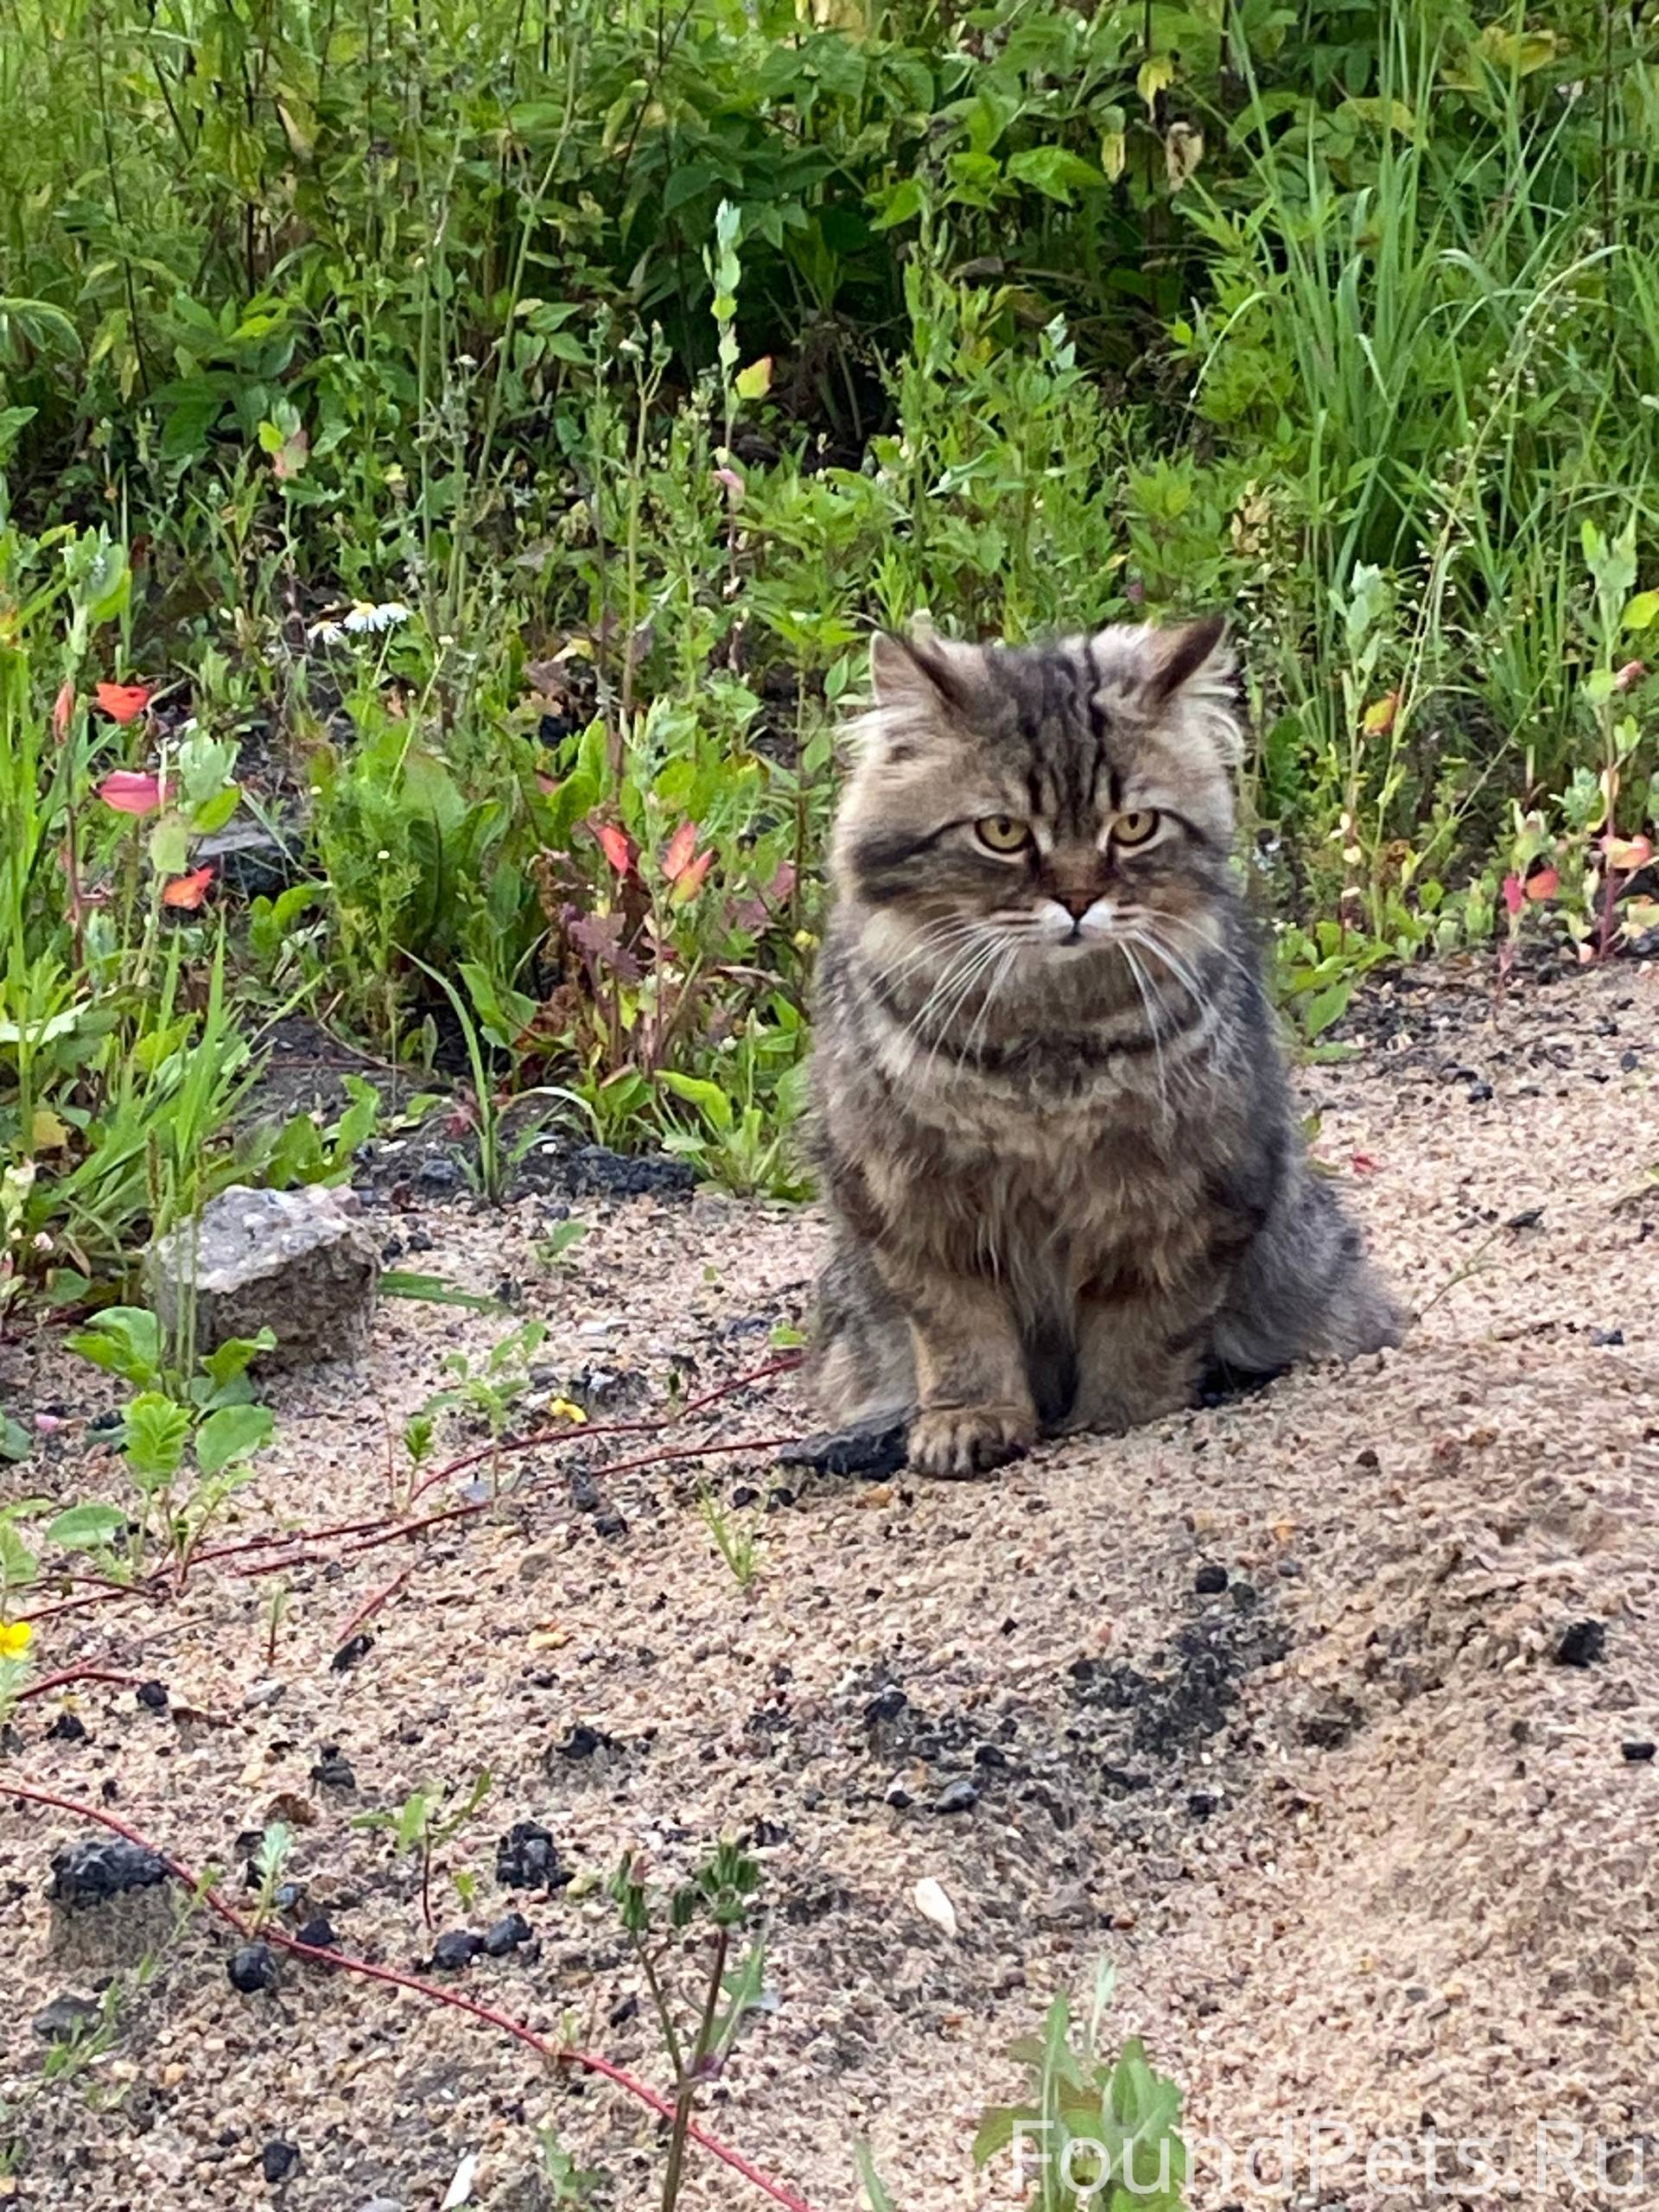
(1076, 903)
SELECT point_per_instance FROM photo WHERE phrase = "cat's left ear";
(1190, 656)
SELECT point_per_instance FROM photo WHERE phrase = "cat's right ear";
(916, 676)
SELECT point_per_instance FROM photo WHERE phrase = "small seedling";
(487, 1390)
(552, 1248)
(1105, 2127)
(721, 1896)
(188, 1442)
(737, 1542)
(572, 2187)
(276, 1606)
(416, 1826)
(270, 1861)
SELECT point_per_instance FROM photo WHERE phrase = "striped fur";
(1053, 1129)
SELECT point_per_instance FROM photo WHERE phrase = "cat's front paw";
(970, 1439)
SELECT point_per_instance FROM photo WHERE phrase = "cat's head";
(1061, 797)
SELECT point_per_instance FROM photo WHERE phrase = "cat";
(1054, 1135)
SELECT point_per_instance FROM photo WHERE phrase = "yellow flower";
(14, 1638)
(561, 1409)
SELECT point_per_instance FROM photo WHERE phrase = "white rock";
(932, 1904)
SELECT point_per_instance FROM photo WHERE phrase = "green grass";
(492, 432)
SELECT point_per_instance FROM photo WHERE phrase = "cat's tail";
(1306, 1289)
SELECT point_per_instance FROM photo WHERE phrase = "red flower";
(188, 891)
(1543, 884)
(63, 707)
(1514, 897)
(1630, 676)
(130, 793)
(122, 703)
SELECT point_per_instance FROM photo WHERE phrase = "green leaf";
(902, 204)
(709, 1098)
(1056, 172)
(124, 1340)
(233, 1433)
(18, 1563)
(1325, 1007)
(1641, 611)
(87, 1528)
(398, 1283)
(881, 2198)
(755, 381)
(154, 1430)
(15, 1442)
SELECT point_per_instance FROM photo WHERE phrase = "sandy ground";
(1375, 1864)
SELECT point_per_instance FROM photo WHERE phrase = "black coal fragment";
(506, 1935)
(252, 1968)
(103, 1866)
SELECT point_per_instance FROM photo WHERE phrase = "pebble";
(958, 1796)
(64, 2017)
(1637, 1754)
(526, 1858)
(932, 1903)
(103, 1866)
(252, 1968)
(506, 1935)
(1210, 1580)
(455, 1949)
(152, 1696)
(278, 2159)
(318, 1934)
(1582, 1644)
(334, 1772)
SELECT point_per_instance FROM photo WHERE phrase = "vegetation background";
(452, 453)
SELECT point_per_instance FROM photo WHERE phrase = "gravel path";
(1327, 1715)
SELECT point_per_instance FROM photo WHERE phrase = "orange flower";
(122, 703)
(188, 891)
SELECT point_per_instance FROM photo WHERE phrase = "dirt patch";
(1320, 1712)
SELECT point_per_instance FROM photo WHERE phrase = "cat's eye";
(1002, 833)
(1138, 827)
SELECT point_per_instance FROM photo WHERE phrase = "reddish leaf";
(1379, 717)
(63, 707)
(129, 793)
(782, 886)
(1364, 1165)
(599, 936)
(122, 703)
(691, 881)
(188, 891)
(617, 846)
(680, 846)
(1543, 884)
(1627, 853)
(1514, 897)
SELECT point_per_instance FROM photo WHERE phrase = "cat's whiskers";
(1126, 946)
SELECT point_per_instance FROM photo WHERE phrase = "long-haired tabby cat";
(1062, 1170)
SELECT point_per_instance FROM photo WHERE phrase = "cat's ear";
(1190, 656)
(921, 674)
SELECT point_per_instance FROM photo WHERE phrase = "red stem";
(370, 1607)
(83, 1674)
(556, 2053)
